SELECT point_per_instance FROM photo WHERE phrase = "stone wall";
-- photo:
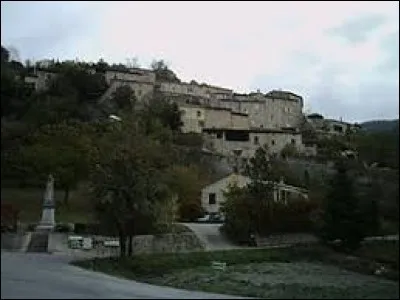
(14, 241)
(286, 239)
(182, 242)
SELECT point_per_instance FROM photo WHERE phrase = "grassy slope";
(177, 269)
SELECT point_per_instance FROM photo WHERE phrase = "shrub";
(63, 228)
(80, 228)
(9, 217)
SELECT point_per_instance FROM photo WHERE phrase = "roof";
(245, 179)
(137, 71)
(283, 94)
(337, 121)
(315, 116)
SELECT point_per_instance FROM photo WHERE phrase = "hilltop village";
(232, 124)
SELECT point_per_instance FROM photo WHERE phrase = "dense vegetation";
(134, 167)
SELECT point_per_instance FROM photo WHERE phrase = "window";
(199, 113)
(139, 92)
(273, 142)
(237, 135)
(293, 141)
(256, 140)
(219, 135)
(201, 123)
(212, 199)
(338, 128)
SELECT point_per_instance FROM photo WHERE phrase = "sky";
(342, 57)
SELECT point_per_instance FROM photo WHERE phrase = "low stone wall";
(182, 242)
(286, 239)
(14, 241)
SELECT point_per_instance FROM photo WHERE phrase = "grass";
(159, 264)
(381, 251)
(193, 271)
(30, 200)
(282, 280)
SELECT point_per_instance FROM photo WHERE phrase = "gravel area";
(284, 280)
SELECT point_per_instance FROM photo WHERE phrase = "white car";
(205, 218)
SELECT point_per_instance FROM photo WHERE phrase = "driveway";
(45, 276)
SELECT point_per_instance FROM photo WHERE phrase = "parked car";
(205, 218)
(212, 218)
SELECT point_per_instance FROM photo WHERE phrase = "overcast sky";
(342, 57)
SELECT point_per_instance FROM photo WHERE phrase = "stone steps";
(39, 242)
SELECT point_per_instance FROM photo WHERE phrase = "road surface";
(45, 276)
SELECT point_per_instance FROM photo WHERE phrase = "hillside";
(381, 125)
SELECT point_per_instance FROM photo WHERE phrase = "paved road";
(45, 276)
(211, 237)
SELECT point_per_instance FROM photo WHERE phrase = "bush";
(295, 217)
(80, 228)
(9, 217)
(342, 217)
(63, 228)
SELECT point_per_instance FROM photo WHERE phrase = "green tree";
(127, 182)
(289, 151)
(186, 183)
(260, 189)
(64, 150)
(163, 72)
(5, 54)
(161, 109)
(124, 98)
(342, 217)
(237, 211)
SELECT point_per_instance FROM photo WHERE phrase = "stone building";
(141, 81)
(330, 127)
(212, 196)
(41, 79)
(272, 110)
(231, 123)
(244, 142)
(197, 117)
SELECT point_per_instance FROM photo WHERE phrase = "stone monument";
(47, 222)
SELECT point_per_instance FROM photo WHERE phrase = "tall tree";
(64, 150)
(342, 216)
(261, 189)
(127, 180)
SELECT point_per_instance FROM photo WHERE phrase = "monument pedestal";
(47, 223)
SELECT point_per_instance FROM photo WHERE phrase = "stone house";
(131, 74)
(197, 117)
(244, 142)
(330, 127)
(40, 80)
(141, 81)
(212, 196)
(193, 118)
(267, 111)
